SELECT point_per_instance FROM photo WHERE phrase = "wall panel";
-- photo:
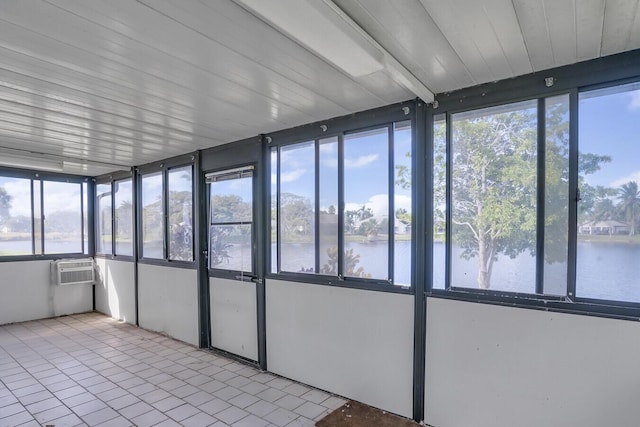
(356, 343)
(500, 366)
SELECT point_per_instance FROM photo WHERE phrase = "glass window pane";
(439, 199)
(608, 247)
(297, 208)
(180, 214)
(494, 198)
(123, 200)
(103, 218)
(232, 200)
(62, 217)
(37, 217)
(152, 216)
(230, 247)
(15, 217)
(556, 194)
(231, 223)
(402, 204)
(85, 229)
(328, 170)
(366, 197)
(274, 210)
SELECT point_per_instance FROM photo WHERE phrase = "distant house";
(609, 227)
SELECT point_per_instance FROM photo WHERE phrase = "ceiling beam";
(326, 30)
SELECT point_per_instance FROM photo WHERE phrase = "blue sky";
(366, 164)
(610, 124)
(59, 196)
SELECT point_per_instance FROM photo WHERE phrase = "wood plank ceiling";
(102, 85)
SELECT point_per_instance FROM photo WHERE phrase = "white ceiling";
(110, 84)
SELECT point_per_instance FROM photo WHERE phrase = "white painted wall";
(115, 289)
(234, 319)
(168, 301)
(26, 293)
(356, 343)
(501, 367)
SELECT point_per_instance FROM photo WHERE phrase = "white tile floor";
(89, 369)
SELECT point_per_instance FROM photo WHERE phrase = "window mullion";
(33, 222)
(341, 204)
(573, 194)
(540, 219)
(317, 206)
(165, 213)
(42, 218)
(113, 218)
(391, 204)
(448, 213)
(278, 214)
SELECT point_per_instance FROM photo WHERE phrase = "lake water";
(604, 270)
(23, 247)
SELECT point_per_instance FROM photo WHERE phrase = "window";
(62, 205)
(366, 197)
(508, 198)
(85, 219)
(438, 194)
(342, 205)
(166, 212)
(16, 225)
(297, 205)
(328, 197)
(231, 220)
(152, 216)
(180, 184)
(556, 195)
(608, 242)
(40, 216)
(493, 198)
(123, 214)
(103, 218)
(402, 204)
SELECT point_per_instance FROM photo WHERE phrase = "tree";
(350, 260)
(494, 185)
(364, 213)
(369, 228)
(629, 202)
(5, 205)
(124, 220)
(297, 218)
(403, 216)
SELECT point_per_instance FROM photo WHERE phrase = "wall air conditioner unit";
(73, 271)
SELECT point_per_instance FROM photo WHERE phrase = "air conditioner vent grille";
(73, 272)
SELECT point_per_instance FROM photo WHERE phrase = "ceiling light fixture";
(15, 157)
(323, 28)
(22, 162)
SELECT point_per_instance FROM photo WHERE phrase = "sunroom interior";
(430, 207)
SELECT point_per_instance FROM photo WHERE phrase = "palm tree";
(629, 203)
(5, 204)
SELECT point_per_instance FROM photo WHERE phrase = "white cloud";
(633, 176)
(634, 103)
(328, 148)
(360, 161)
(379, 204)
(20, 192)
(61, 196)
(291, 176)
